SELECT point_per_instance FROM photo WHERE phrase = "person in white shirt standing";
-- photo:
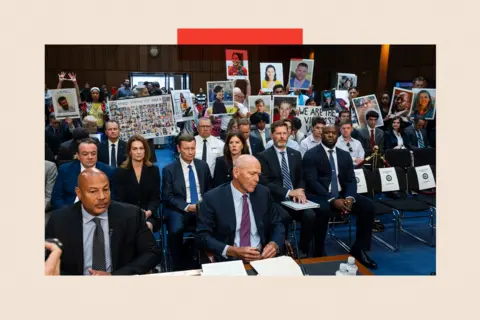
(349, 144)
(208, 147)
(315, 138)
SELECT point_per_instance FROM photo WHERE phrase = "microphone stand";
(298, 251)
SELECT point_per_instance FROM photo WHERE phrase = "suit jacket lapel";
(200, 175)
(258, 220)
(76, 232)
(178, 172)
(276, 167)
(291, 165)
(232, 221)
(115, 233)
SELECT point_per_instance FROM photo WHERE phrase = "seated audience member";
(349, 144)
(395, 136)
(282, 173)
(330, 182)
(297, 135)
(371, 135)
(254, 145)
(50, 177)
(235, 145)
(345, 115)
(64, 190)
(184, 182)
(291, 143)
(260, 110)
(315, 138)
(49, 154)
(56, 133)
(417, 135)
(244, 224)
(208, 147)
(259, 120)
(137, 181)
(112, 150)
(90, 123)
(100, 236)
(68, 150)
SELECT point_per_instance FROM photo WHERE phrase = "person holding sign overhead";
(330, 181)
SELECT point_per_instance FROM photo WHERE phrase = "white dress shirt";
(262, 136)
(88, 230)
(81, 170)
(214, 150)
(238, 205)
(357, 149)
(290, 143)
(110, 143)
(308, 143)
(399, 139)
(249, 147)
(186, 171)
(334, 154)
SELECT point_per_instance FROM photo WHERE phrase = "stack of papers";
(280, 266)
(299, 206)
(227, 268)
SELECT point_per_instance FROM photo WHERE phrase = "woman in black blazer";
(395, 137)
(235, 145)
(137, 180)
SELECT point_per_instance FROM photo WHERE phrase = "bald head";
(246, 173)
(404, 96)
(238, 95)
(86, 175)
(245, 161)
(93, 191)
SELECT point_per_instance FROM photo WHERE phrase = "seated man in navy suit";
(184, 182)
(112, 150)
(64, 190)
(238, 220)
(331, 182)
(254, 145)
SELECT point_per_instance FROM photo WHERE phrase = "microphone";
(110, 234)
(298, 251)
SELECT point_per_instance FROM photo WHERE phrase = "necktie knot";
(97, 221)
(190, 166)
(245, 197)
(330, 151)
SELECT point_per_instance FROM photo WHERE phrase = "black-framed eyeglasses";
(349, 147)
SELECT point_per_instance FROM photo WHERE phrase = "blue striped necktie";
(420, 139)
(287, 182)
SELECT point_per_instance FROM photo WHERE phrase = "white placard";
(65, 103)
(426, 180)
(389, 179)
(361, 181)
(227, 268)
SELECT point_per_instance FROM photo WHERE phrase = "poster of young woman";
(271, 74)
(364, 104)
(237, 64)
(423, 103)
(182, 105)
(220, 98)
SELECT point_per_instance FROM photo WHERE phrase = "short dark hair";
(243, 122)
(258, 117)
(372, 114)
(275, 87)
(302, 64)
(184, 137)
(112, 121)
(276, 124)
(344, 111)
(61, 99)
(217, 89)
(309, 100)
(317, 120)
(420, 78)
(51, 116)
(258, 101)
(345, 122)
(418, 118)
(296, 123)
(351, 88)
(87, 141)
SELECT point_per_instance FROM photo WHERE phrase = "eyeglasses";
(205, 127)
(349, 147)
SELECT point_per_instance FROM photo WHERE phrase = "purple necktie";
(245, 224)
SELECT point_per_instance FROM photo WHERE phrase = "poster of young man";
(284, 107)
(260, 104)
(364, 104)
(182, 105)
(271, 74)
(151, 117)
(401, 103)
(65, 103)
(300, 74)
(220, 98)
(237, 64)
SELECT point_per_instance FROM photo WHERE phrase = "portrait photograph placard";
(424, 103)
(65, 103)
(237, 64)
(401, 102)
(365, 104)
(300, 75)
(220, 98)
(262, 104)
(182, 105)
(271, 74)
(346, 80)
(285, 107)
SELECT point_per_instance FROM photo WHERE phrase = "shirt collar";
(110, 142)
(184, 164)
(312, 138)
(327, 148)
(278, 150)
(87, 217)
(235, 193)
(83, 168)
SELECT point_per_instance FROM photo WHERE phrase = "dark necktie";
(113, 156)
(334, 175)
(245, 224)
(372, 139)
(193, 185)
(287, 181)
(204, 154)
(98, 248)
(420, 139)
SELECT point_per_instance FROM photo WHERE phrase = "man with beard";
(125, 90)
(64, 106)
(330, 182)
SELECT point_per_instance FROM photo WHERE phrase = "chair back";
(401, 177)
(412, 178)
(424, 156)
(398, 158)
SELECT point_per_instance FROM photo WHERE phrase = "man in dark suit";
(184, 182)
(64, 190)
(282, 173)
(254, 145)
(372, 136)
(56, 133)
(68, 150)
(238, 220)
(417, 136)
(259, 119)
(100, 236)
(112, 151)
(331, 182)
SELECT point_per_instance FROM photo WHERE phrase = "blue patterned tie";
(420, 139)
(193, 186)
(287, 182)
(334, 175)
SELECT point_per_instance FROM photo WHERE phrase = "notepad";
(227, 268)
(280, 266)
(300, 206)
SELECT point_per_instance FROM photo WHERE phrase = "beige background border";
(27, 26)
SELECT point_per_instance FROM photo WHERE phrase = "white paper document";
(425, 177)
(389, 179)
(361, 181)
(227, 268)
(299, 206)
(280, 266)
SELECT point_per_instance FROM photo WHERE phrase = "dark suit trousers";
(177, 224)
(306, 217)
(365, 215)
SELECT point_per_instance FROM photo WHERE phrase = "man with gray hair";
(208, 148)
